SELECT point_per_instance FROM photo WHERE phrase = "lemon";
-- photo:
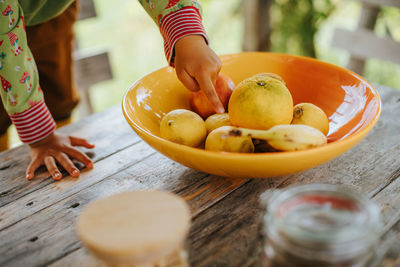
(217, 120)
(311, 115)
(183, 127)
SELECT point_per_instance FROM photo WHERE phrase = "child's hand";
(58, 148)
(197, 67)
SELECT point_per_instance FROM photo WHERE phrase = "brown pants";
(52, 44)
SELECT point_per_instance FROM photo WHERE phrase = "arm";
(186, 45)
(23, 99)
(21, 94)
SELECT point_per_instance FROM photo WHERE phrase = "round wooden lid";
(135, 226)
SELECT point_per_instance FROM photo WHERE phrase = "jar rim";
(353, 234)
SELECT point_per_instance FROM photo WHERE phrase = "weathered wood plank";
(257, 28)
(89, 70)
(391, 248)
(365, 44)
(367, 21)
(56, 191)
(92, 68)
(378, 3)
(56, 222)
(389, 202)
(86, 9)
(229, 228)
(228, 234)
(204, 194)
(79, 257)
(368, 17)
(96, 129)
(232, 236)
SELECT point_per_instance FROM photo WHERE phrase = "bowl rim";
(351, 139)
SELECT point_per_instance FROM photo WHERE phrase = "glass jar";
(320, 225)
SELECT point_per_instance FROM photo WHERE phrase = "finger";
(79, 155)
(188, 81)
(51, 166)
(32, 167)
(68, 165)
(208, 88)
(76, 141)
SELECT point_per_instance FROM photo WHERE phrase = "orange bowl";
(351, 103)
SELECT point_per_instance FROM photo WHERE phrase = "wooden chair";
(257, 29)
(363, 43)
(90, 68)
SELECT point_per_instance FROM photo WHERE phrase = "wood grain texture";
(86, 9)
(91, 69)
(48, 225)
(96, 129)
(394, 3)
(79, 257)
(46, 196)
(367, 21)
(257, 28)
(365, 44)
(228, 234)
(391, 249)
(226, 214)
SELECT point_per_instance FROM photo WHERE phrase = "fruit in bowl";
(183, 127)
(311, 115)
(226, 139)
(285, 137)
(255, 101)
(200, 103)
(350, 102)
(217, 120)
(261, 102)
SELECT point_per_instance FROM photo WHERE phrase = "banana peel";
(280, 137)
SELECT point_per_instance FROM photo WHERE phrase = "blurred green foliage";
(295, 24)
(305, 27)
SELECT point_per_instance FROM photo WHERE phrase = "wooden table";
(37, 218)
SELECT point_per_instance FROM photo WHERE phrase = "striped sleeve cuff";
(34, 124)
(185, 21)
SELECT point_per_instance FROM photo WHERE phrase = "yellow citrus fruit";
(311, 115)
(226, 139)
(260, 102)
(217, 120)
(183, 127)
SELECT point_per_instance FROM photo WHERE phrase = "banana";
(281, 137)
(289, 137)
(225, 139)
